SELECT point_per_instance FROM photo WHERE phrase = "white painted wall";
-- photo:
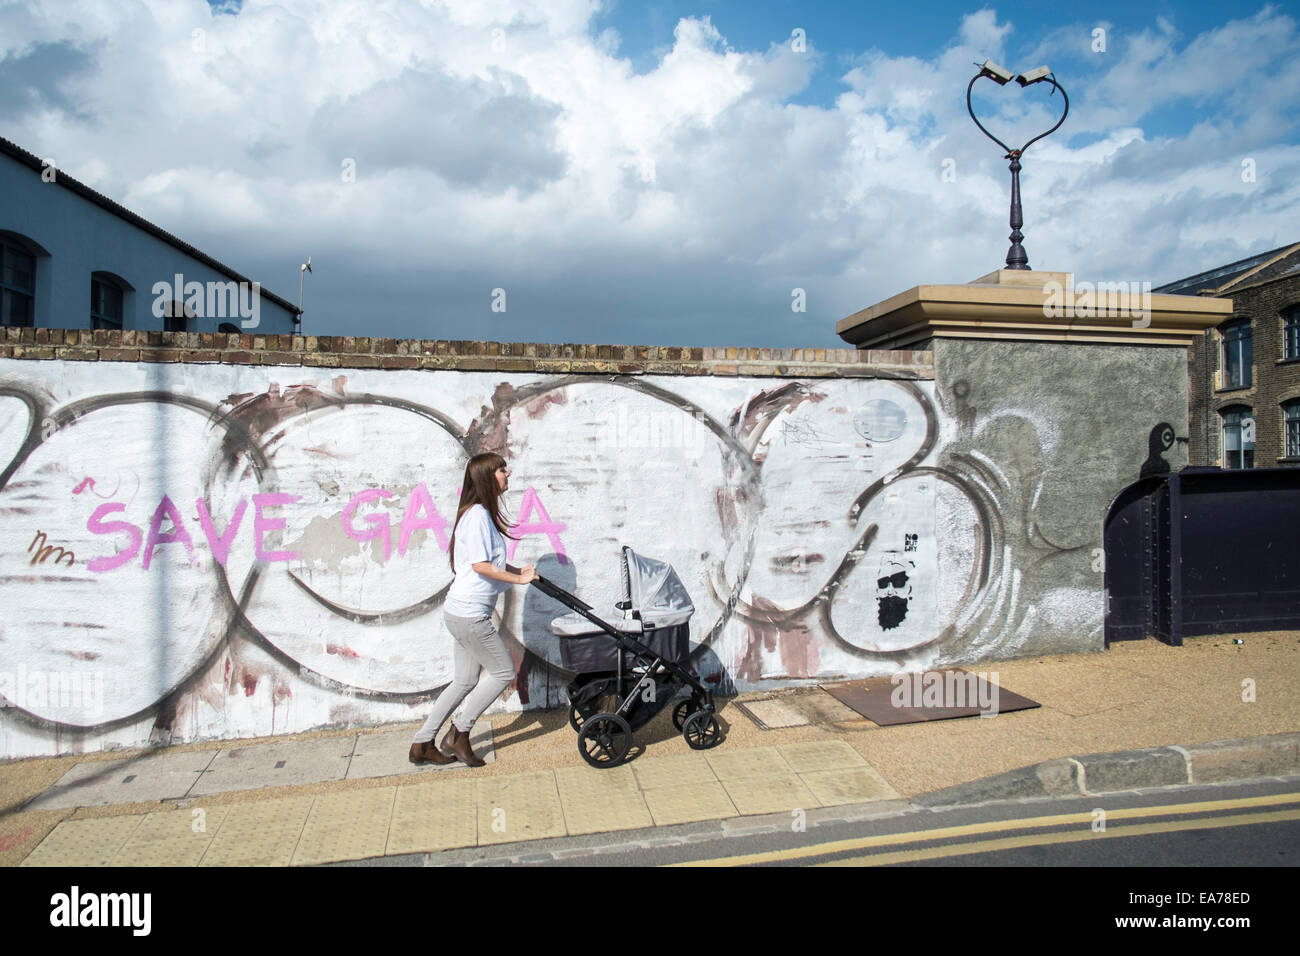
(781, 504)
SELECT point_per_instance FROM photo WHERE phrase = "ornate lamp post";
(1017, 258)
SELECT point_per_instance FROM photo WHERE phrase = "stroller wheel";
(702, 731)
(681, 711)
(578, 713)
(605, 740)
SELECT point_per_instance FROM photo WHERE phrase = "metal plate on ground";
(932, 695)
(771, 713)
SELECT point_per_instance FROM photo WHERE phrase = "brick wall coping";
(338, 351)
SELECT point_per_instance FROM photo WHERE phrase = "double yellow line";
(1073, 820)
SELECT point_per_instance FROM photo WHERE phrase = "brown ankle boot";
(457, 741)
(427, 752)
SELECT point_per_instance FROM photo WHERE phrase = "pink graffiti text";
(218, 542)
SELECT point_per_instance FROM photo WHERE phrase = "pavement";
(1138, 715)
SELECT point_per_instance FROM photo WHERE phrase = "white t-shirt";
(477, 539)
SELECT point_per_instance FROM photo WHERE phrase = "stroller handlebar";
(551, 589)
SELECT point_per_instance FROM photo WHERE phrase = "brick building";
(1244, 376)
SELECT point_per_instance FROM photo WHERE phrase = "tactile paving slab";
(705, 800)
(770, 794)
(520, 807)
(588, 783)
(674, 771)
(595, 801)
(259, 834)
(834, 788)
(83, 842)
(742, 764)
(813, 755)
(172, 837)
(429, 817)
(350, 825)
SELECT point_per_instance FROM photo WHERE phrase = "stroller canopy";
(655, 590)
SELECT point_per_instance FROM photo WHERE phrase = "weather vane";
(1017, 258)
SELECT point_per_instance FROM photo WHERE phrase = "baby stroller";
(626, 672)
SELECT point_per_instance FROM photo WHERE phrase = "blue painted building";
(71, 258)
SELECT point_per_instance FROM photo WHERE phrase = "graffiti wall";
(227, 551)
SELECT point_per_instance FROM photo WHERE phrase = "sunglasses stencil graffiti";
(259, 551)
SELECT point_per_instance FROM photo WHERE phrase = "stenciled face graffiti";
(894, 590)
(208, 553)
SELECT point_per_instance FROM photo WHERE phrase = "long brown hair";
(479, 487)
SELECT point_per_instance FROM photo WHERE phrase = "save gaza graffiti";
(252, 557)
(420, 513)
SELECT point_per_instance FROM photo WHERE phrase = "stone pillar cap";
(1033, 305)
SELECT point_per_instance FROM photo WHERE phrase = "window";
(105, 303)
(1291, 333)
(1237, 354)
(1291, 411)
(17, 285)
(1238, 437)
(177, 317)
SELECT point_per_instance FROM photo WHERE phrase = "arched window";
(1291, 332)
(1238, 354)
(1291, 419)
(1238, 437)
(107, 300)
(17, 284)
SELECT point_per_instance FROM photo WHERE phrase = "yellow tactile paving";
(589, 783)
(172, 837)
(746, 764)
(259, 834)
(436, 816)
(675, 771)
(521, 807)
(706, 800)
(461, 812)
(350, 825)
(814, 755)
(192, 823)
(163, 853)
(848, 785)
(83, 842)
(592, 805)
(770, 794)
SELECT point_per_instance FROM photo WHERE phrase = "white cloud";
(503, 144)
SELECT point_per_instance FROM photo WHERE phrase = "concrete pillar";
(1053, 397)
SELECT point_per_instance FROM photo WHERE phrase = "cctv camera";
(993, 71)
(1033, 76)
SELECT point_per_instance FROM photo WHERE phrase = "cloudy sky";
(660, 173)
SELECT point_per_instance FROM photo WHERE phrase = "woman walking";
(478, 559)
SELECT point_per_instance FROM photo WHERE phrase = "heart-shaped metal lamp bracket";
(1017, 258)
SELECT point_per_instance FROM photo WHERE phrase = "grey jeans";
(477, 646)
